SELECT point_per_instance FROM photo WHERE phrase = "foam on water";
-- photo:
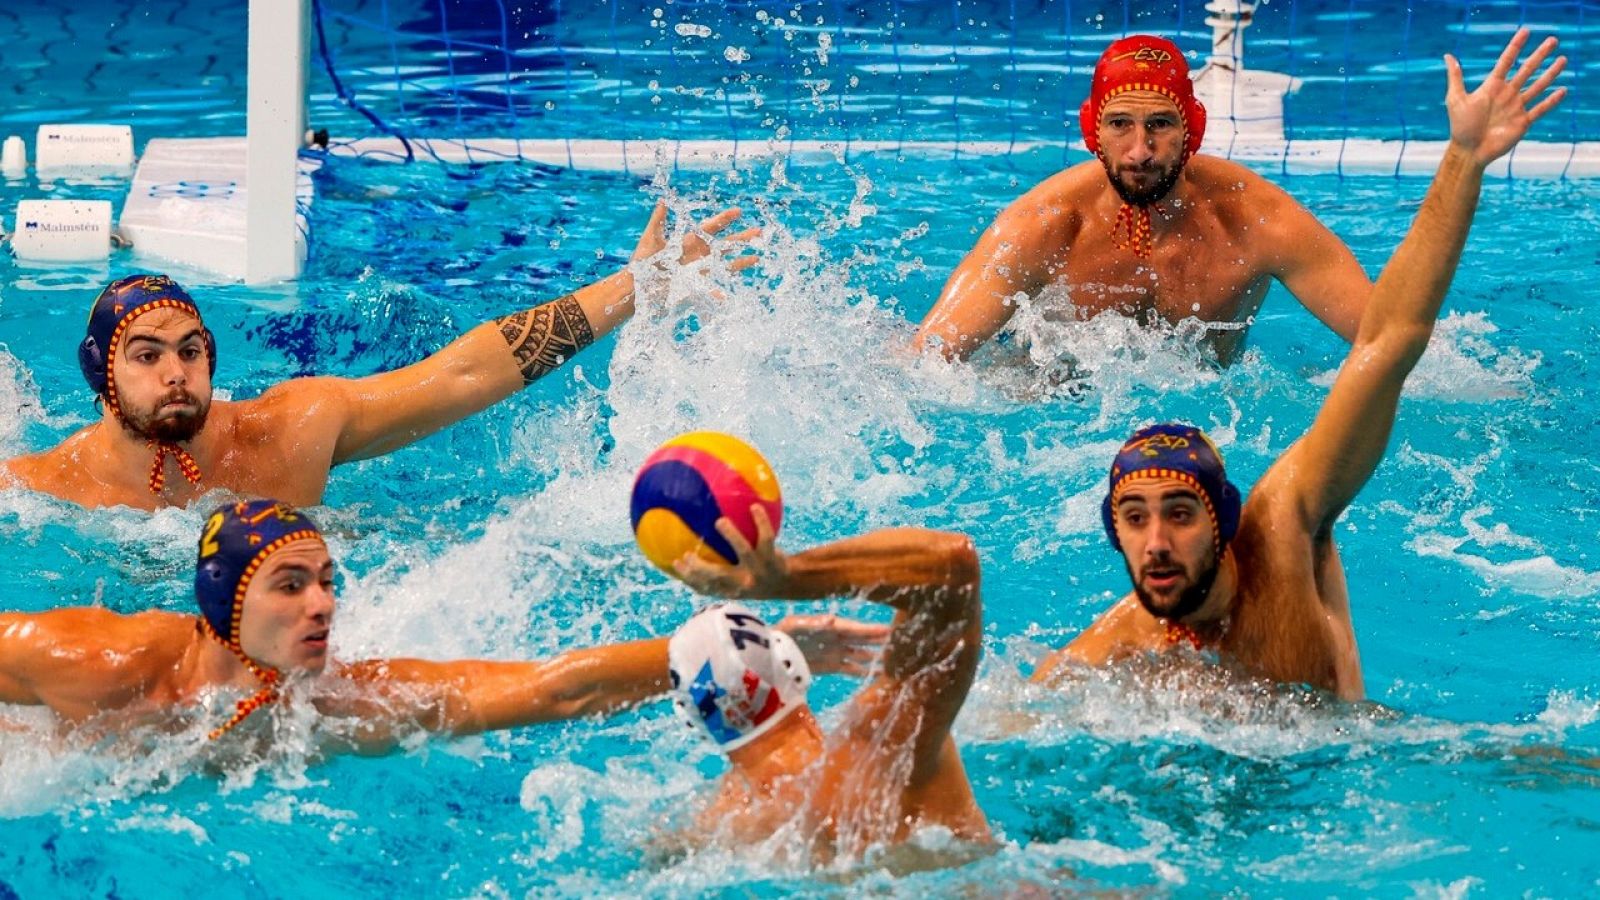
(1534, 576)
(1463, 364)
(1163, 776)
(1115, 353)
(19, 398)
(1186, 700)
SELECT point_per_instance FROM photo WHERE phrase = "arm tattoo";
(546, 336)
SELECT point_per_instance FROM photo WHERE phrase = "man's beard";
(1153, 194)
(1190, 599)
(170, 429)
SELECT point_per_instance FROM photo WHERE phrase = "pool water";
(1472, 770)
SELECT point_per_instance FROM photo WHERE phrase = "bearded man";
(1257, 582)
(162, 441)
(1150, 228)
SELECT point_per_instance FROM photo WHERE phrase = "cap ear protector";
(92, 359)
(1226, 507)
(792, 662)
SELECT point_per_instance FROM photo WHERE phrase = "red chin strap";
(1148, 63)
(1178, 633)
(1135, 221)
(158, 468)
(266, 675)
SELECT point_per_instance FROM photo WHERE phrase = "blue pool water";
(1471, 771)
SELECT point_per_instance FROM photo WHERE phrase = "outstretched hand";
(834, 645)
(760, 571)
(697, 243)
(1488, 122)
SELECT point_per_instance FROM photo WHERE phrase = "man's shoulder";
(52, 471)
(96, 638)
(294, 391)
(83, 659)
(1124, 627)
(1125, 620)
(1230, 187)
(100, 623)
(285, 404)
(1067, 191)
(1051, 210)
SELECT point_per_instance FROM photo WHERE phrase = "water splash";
(1463, 364)
(19, 398)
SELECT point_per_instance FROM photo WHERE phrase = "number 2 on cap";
(208, 540)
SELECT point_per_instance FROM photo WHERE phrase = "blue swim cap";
(237, 539)
(118, 305)
(1182, 452)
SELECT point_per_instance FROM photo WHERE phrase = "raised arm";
(1324, 470)
(496, 359)
(980, 297)
(930, 577)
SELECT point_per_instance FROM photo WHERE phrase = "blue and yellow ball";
(691, 481)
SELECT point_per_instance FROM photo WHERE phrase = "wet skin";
(288, 609)
(1221, 235)
(891, 766)
(1279, 605)
(1167, 541)
(284, 443)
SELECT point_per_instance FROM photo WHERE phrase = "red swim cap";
(1143, 62)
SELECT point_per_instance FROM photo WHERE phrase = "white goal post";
(279, 56)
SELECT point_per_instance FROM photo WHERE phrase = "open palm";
(697, 243)
(1489, 121)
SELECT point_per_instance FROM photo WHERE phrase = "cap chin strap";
(158, 467)
(1179, 633)
(269, 678)
(1135, 220)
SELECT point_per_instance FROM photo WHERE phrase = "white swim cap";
(732, 676)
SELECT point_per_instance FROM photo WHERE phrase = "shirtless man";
(264, 585)
(1150, 229)
(1263, 585)
(891, 767)
(161, 441)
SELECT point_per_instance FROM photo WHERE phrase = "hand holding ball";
(689, 483)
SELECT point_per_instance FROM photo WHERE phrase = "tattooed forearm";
(546, 336)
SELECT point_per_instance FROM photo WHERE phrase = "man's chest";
(1195, 272)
